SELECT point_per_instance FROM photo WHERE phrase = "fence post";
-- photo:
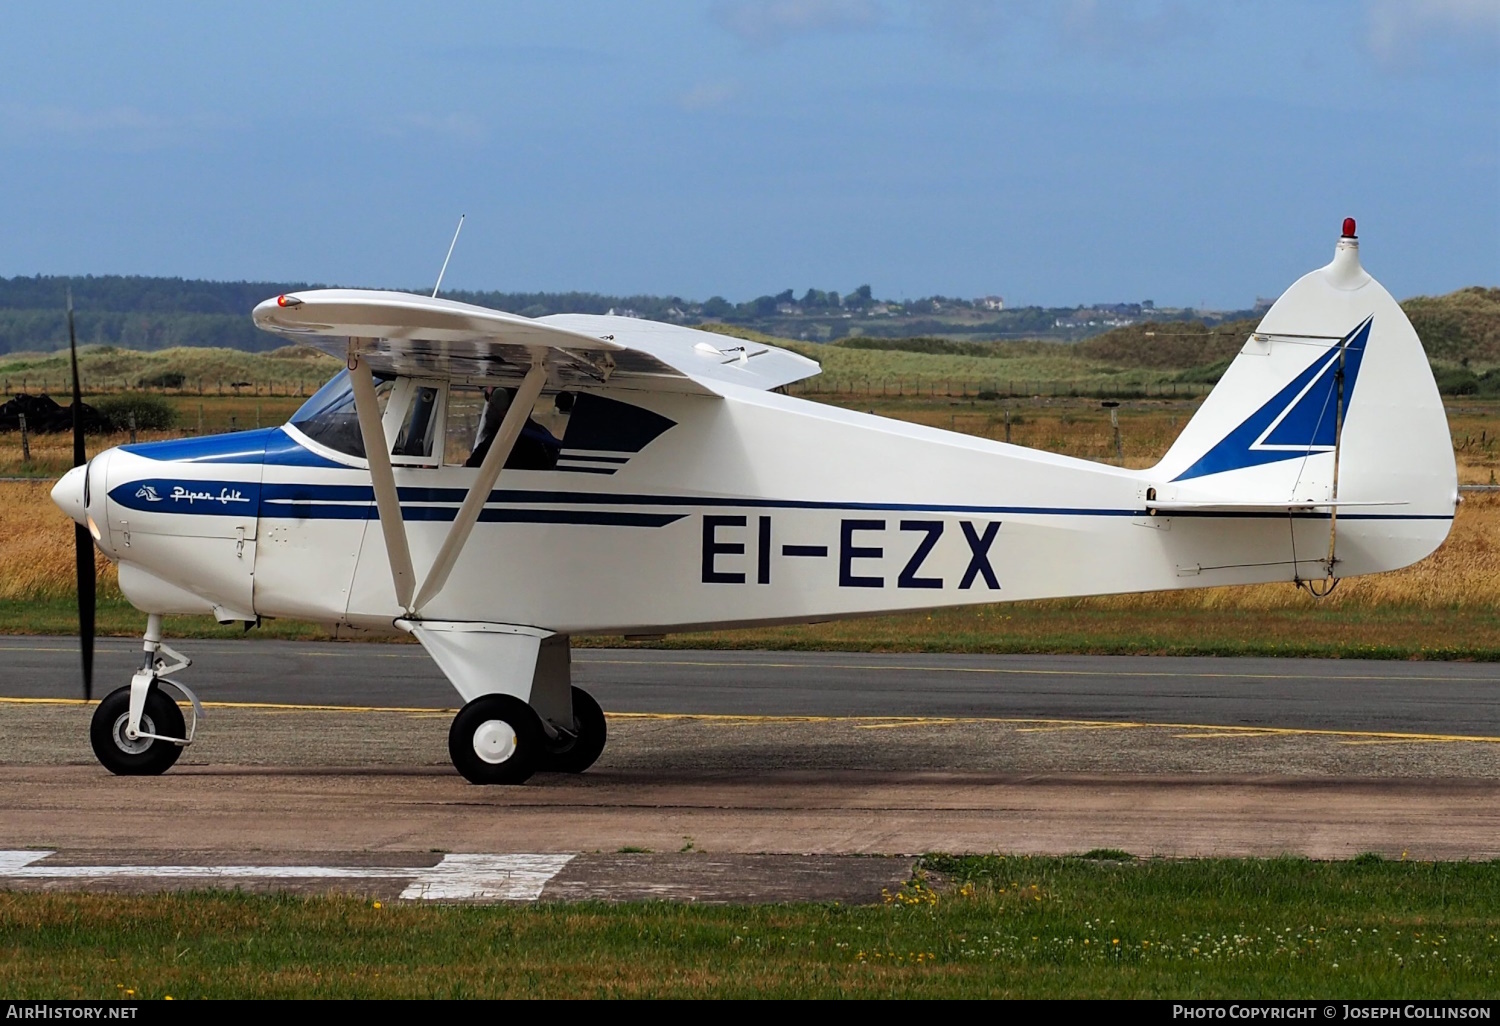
(200, 418)
(132, 427)
(25, 441)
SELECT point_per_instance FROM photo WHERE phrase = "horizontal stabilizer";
(1290, 506)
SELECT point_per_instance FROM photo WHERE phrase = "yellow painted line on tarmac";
(45, 701)
(1036, 725)
(924, 722)
(1024, 725)
(334, 651)
(1247, 732)
(1021, 672)
(265, 706)
(1408, 741)
(1078, 726)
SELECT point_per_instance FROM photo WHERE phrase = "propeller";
(83, 542)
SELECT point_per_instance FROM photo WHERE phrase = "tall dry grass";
(1465, 571)
(36, 546)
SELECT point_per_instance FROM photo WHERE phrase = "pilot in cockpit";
(535, 449)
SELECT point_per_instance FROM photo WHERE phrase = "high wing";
(402, 333)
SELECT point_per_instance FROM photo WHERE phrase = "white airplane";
(492, 484)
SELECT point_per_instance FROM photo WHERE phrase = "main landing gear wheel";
(576, 753)
(143, 757)
(496, 739)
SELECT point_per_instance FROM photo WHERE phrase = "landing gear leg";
(521, 712)
(137, 730)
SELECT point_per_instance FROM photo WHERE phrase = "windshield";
(328, 417)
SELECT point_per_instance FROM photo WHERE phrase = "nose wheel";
(141, 755)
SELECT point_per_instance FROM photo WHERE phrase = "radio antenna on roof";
(449, 256)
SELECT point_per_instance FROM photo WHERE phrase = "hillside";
(1461, 330)
(1461, 326)
(159, 313)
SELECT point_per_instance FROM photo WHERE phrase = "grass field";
(1448, 606)
(996, 927)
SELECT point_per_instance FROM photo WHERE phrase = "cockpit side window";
(329, 418)
(475, 414)
(415, 437)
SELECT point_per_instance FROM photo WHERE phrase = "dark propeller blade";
(83, 543)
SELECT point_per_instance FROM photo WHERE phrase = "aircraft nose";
(68, 494)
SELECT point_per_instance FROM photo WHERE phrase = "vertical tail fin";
(1330, 409)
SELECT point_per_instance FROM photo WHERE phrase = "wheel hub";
(133, 746)
(495, 741)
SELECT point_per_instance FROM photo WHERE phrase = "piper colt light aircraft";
(491, 484)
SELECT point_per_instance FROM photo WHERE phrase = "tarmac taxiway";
(335, 755)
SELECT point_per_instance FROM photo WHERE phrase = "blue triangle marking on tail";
(1297, 421)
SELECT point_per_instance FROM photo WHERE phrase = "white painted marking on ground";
(12, 860)
(493, 877)
(454, 878)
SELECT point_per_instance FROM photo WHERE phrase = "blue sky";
(1050, 151)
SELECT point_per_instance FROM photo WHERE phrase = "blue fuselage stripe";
(356, 502)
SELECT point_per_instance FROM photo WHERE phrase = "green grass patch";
(1469, 632)
(995, 927)
(116, 617)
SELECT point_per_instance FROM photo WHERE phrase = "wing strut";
(479, 492)
(387, 504)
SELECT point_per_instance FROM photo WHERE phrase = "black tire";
(496, 739)
(143, 758)
(577, 753)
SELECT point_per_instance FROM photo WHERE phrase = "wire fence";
(94, 385)
(820, 385)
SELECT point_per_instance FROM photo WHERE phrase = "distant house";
(990, 303)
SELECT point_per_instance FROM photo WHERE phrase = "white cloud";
(1404, 34)
(707, 95)
(768, 22)
(967, 23)
(1128, 29)
(464, 127)
(119, 127)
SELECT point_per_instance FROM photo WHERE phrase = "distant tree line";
(148, 313)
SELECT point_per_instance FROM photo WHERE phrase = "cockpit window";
(474, 417)
(415, 438)
(328, 417)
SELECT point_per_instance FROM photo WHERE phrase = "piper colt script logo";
(224, 496)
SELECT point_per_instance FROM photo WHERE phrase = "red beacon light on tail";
(1349, 228)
